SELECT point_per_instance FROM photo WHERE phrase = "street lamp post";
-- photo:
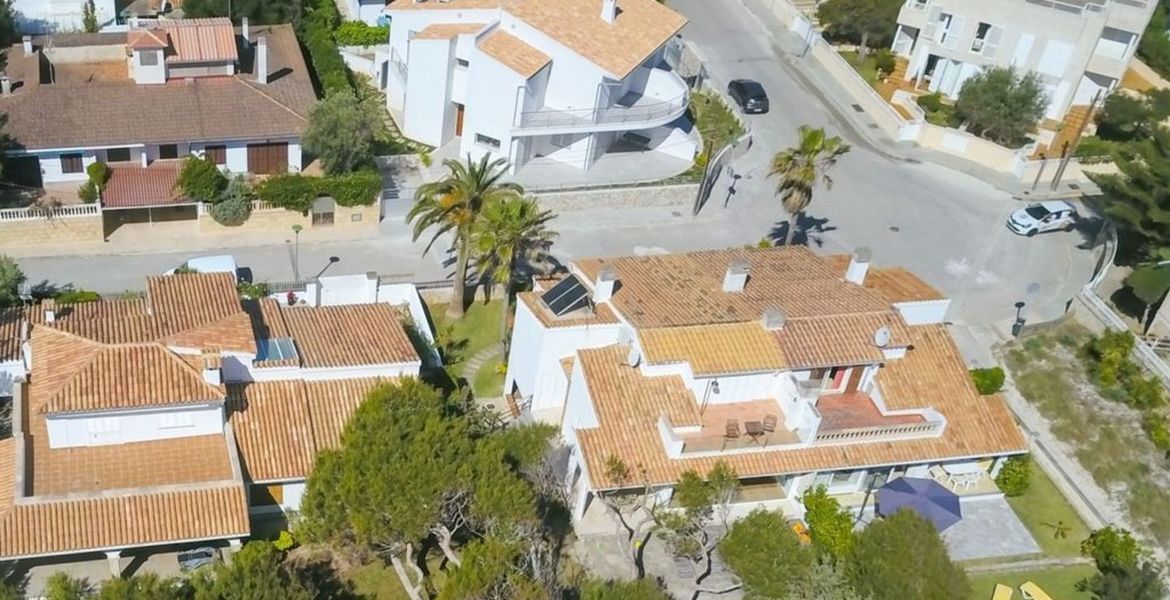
(1018, 326)
(297, 251)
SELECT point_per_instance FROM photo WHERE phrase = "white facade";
(142, 155)
(60, 16)
(449, 90)
(128, 426)
(1076, 47)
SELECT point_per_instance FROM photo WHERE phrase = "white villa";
(797, 370)
(535, 82)
(1077, 47)
(171, 418)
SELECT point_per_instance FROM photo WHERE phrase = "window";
(839, 482)
(462, 62)
(217, 154)
(490, 142)
(167, 151)
(71, 163)
(118, 155)
(980, 37)
(148, 58)
(175, 420)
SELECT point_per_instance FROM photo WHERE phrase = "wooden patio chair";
(769, 423)
(732, 430)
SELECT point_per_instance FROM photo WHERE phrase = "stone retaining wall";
(623, 197)
(59, 230)
(283, 220)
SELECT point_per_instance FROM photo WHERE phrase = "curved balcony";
(662, 99)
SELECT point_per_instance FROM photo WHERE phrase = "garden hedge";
(297, 192)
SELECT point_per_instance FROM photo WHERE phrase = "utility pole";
(1071, 146)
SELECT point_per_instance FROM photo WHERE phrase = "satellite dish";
(881, 337)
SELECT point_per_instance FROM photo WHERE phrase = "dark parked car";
(749, 95)
(189, 560)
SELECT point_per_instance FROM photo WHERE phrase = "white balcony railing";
(664, 97)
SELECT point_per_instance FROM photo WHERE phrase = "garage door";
(268, 158)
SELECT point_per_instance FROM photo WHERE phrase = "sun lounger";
(1002, 592)
(1032, 591)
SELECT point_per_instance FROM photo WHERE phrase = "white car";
(1055, 215)
(223, 263)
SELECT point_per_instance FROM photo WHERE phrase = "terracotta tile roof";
(131, 186)
(80, 112)
(714, 349)
(350, 335)
(199, 40)
(641, 26)
(11, 330)
(273, 429)
(200, 310)
(513, 53)
(931, 375)
(674, 290)
(446, 31)
(601, 314)
(72, 374)
(840, 340)
(145, 39)
(281, 426)
(855, 410)
(30, 527)
(895, 284)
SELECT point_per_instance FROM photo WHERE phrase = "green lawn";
(866, 67)
(1042, 506)
(377, 581)
(489, 381)
(1060, 582)
(478, 329)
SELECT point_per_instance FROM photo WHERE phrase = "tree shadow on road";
(809, 231)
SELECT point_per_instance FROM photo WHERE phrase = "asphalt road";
(942, 224)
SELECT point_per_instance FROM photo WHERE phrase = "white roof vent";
(774, 319)
(736, 278)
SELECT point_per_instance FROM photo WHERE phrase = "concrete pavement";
(943, 224)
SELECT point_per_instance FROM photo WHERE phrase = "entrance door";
(458, 120)
(266, 159)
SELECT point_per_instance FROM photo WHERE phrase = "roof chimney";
(604, 286)
(49, 305)
(5, 85)
(212, 368)
(261, 60)
(609, 10)
(858, 266)
(26, 41)
(133, 20)
(774, 319)
(737, 276)
(245, 31)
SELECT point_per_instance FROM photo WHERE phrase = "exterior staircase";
(1074, 121)
(896, 80)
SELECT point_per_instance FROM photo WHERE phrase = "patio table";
(754, 429)
(962, 469)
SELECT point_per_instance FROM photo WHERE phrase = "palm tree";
(453, 204)
(801, 167)
(511, 238)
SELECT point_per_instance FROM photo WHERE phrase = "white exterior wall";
(924, 313)
(148, 74)
(127, 426)
(428, 96)
(291, 495)
(51, 171)
(534, 362)
(494, 89)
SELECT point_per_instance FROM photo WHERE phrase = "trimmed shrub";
(317, 37)
(1015, 476)
(988, 381)
(297, 192)
(77, 297)
(200, 179)
(354, 189)
(884, 61)
(291, 191)
(358, 33)
(252, 290)
(285, 542)
(232, 211)
(88, 192)
(99, 174)
(1157, 430)
(830, 525)
(1113, 549)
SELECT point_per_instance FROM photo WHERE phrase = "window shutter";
(931, 23)
(991, 44)
(953, 32)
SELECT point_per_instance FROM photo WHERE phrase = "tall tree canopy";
(801, 168)
(342, 129)
(902, 556)
(869, 23)
(767, 555)
(259, 12)
(454, 205)
(1001, 105)
(10, 279)
(414, 471)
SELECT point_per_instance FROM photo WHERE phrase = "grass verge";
(1059, 582)
(1042, 507)
(463, 338)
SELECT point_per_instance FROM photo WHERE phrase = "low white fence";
(257, 206)
(32, 213)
